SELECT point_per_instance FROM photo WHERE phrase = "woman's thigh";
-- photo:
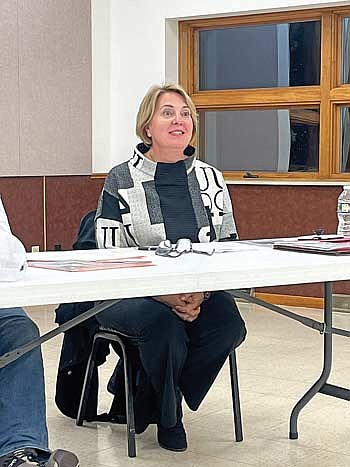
(140, 317)
(219, 319)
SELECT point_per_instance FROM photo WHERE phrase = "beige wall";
(45, 85)
(9, 106)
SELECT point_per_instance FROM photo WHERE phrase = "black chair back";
(86, 234)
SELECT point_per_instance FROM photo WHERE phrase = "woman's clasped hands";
(185, 305)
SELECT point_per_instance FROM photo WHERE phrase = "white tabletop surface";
(248, 267)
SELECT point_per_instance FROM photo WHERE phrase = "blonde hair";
(148, 107)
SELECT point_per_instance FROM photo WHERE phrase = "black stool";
(122, 339)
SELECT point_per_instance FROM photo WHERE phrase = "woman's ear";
(148, 133)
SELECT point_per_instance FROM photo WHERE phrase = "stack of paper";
(336, 246)
(80, 265)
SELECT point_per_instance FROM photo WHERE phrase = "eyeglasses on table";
(183, 245)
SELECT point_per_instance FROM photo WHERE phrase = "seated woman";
(165, 192)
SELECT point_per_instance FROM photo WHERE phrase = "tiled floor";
(279, 360)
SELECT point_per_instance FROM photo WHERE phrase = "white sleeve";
(228, 229)
(4, 223)
(12, 252)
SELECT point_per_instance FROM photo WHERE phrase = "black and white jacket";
(144, 202)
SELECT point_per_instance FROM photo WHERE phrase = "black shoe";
(27, 457)
(145, 403)
(174, 438)
(143, 394)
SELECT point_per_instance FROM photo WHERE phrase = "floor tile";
(278, 362)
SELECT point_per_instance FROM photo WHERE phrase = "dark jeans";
(175, 354)
(22, 393)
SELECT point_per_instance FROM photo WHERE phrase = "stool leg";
(87, 383)
(130, 417)
(235, 397)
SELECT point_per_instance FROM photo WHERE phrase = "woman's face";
(171, 126)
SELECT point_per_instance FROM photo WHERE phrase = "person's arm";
(192, 307)
(4, 223)
(185, 305)
(110, 231)
(228, 229)
(12, 252)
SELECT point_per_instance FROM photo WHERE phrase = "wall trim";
(98, 175)
(291, 300)
(44, 213)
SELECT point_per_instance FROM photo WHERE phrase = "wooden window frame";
(329, 96)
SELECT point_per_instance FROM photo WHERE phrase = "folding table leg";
(327, 364)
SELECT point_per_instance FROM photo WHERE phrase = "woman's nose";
(178, 118)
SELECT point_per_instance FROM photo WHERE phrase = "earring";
(189, 151)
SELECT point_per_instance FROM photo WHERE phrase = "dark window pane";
(346, 51)
(345, 140)
(261, 140)
(269, 55)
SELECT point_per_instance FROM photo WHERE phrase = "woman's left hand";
(190, 309)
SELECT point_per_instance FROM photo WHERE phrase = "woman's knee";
(237, 327)
(240, 331)
(228, 317)
(165, 323)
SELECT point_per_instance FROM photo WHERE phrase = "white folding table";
(249, 267)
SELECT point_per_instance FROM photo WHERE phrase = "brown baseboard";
(98, 175)
(291, 300)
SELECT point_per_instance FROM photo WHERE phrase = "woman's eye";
(167, 113)
(186, 113)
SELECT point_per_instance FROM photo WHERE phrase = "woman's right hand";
(185, 305)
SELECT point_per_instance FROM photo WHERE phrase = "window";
(272, 92)
(345, 140)
(263, 56)
(272, 140)
(345, 59)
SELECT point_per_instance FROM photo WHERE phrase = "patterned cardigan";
(144, 202)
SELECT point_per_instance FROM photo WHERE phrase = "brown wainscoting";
(306, 290)
(46, 211)
(268, 211)
(68, 199)
(23, 201)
